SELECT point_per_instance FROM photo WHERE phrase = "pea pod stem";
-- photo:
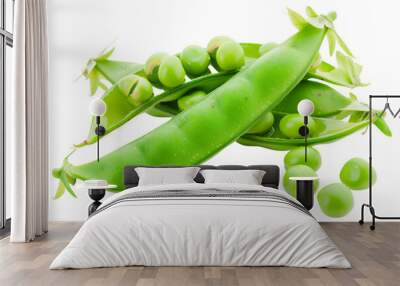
(64, 180)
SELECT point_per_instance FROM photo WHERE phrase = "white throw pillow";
(165, 176)
(246, 177)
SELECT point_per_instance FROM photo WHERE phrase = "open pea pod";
(329, 130)
(120, 110)
(329, 102)
(113, 70)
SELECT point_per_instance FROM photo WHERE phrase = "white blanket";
(183, 231)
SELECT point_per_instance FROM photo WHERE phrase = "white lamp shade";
(305, 107)
(97, 107)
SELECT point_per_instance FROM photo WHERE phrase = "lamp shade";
(305, 107)
(97, 107)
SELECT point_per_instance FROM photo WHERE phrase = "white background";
(80, 29)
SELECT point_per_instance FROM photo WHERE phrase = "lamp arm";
(305, 138)
(98, 137)
(99, 131)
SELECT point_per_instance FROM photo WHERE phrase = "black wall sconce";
(98, 108)
(305, 108)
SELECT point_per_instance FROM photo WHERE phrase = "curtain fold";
(28, 123)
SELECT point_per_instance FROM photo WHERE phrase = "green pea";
(195, 60)
(355, 174)
(151, 68)
(263, 124)
(137, 88)
(298, 171)
(296, 157)
(291, 123)
(335, 200)
(213, 46)
(171, 72)
(230, 56)
(187, 101)
(215, 43)
(267, 48)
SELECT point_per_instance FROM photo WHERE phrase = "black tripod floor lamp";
(388, 109)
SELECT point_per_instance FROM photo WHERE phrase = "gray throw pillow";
(163, 176)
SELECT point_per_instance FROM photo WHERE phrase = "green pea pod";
(329, 130)
(119, 110)
(197, 134)
(327, 101)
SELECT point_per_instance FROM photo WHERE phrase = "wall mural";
(231, 91)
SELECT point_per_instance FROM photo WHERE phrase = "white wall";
(80, 29)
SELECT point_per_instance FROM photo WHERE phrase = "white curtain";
(28, 158)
